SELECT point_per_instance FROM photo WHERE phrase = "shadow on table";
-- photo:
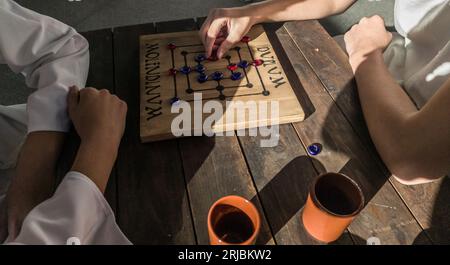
(372, 175)
(283, 208)
(284, 197)
(439, 228)
(302, 96)
(285, 194)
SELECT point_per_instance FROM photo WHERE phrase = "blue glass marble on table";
(314, 149)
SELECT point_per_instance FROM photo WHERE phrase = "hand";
(364, 38)
(99, 119)
(97, 115)
(223, 28)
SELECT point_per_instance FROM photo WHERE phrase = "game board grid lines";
(190, 89)
(158, 95)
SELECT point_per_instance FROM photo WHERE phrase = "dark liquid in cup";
(232, 225)
(337, 202)
(338, 195)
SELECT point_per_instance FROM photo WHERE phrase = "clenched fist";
(97, 115)
(364, 38)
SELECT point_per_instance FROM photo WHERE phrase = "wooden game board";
(159, 88)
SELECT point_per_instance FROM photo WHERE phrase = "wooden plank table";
(161, 191)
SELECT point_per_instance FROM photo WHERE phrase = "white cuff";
(77, 211)
(47, 111)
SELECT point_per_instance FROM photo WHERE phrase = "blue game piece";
(174, 100)
(200, 58)
(243, 64)
(185, 69)
(217, 76)
(200, 68)
(314, 149)
(202, 78)
(236, 76)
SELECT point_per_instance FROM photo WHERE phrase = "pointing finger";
(211, 35)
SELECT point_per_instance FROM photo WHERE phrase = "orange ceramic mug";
(333, 201)
(233, 220)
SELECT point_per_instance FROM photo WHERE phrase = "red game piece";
(232, 67)
(171, 46)
(173, 71)
(245, 39)
(257, 62)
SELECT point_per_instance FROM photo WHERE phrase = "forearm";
(414, 144)
(35, 176)
(385, 104)
(285, 10)
(95, 159)
(394, 123)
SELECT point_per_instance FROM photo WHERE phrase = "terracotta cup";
(233, 220)
(333, 201)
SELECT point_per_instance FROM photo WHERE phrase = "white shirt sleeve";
(77, 213)
(51, 55)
